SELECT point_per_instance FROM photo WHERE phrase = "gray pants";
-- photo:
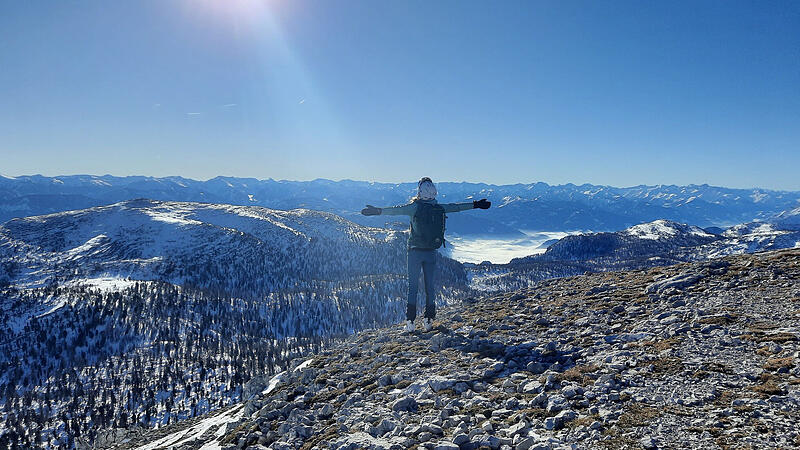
(425, 260)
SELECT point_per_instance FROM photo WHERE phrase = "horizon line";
(14, 177)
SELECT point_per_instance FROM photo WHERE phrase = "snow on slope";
(788, 220)
(146, 239)
(663, 229)
(217, 421)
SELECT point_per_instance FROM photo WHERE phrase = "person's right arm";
(404, 210)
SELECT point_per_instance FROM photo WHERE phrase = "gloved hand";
(482, 204)
(371, 211)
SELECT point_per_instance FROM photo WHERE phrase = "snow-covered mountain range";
(657, 243)
(242, 250)
(535, 206)
(148, 312)
(686, 242)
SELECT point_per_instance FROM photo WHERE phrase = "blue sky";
(618, 93)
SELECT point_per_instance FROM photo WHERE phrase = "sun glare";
(238, 11)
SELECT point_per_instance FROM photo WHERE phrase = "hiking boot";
(409, 327)
(427, 324)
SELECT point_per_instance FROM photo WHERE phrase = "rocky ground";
(699, 355)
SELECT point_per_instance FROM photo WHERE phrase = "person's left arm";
(458, 207)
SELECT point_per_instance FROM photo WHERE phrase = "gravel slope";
(697, 355)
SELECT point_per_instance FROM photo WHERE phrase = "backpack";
(427, 226)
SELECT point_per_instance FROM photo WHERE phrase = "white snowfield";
(179, 438)
(663, 229)
(105, 284)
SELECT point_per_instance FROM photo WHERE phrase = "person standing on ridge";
(427, 235)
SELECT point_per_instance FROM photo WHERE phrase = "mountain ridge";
(519, 207)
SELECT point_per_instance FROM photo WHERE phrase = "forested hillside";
(145, 313)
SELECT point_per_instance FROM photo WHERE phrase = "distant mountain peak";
(788, 220)
(663, 229)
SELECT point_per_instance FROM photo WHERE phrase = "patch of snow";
(57, 305)
(751, 229)
(788, 220)
(169, 217)
(509, 199)
(758, 196)
(303, 365)
(276, 379)
(273, 383)
(88, 245)
(104, 284)
(178, 438)
(763, 229)
(653, 230)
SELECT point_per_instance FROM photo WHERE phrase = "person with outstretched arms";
(427, 235)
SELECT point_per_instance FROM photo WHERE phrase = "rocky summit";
(695, 355)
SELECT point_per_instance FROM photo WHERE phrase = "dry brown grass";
(538, 413)
(393, 347)
(733, 442)
(717, 367)
(768, 388)
(318, 363)
(773, 364)
(578, 375)
(760, 337)
(676, 410)
(327, 435)
(726, 319)
(762, 326)
(724, 398)
(668, 365)
(638, 416)
(764, 351)
(701, 374)
(402, 384)
(617, 442)
(583, 421)
(228, 439)
(658, 346)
